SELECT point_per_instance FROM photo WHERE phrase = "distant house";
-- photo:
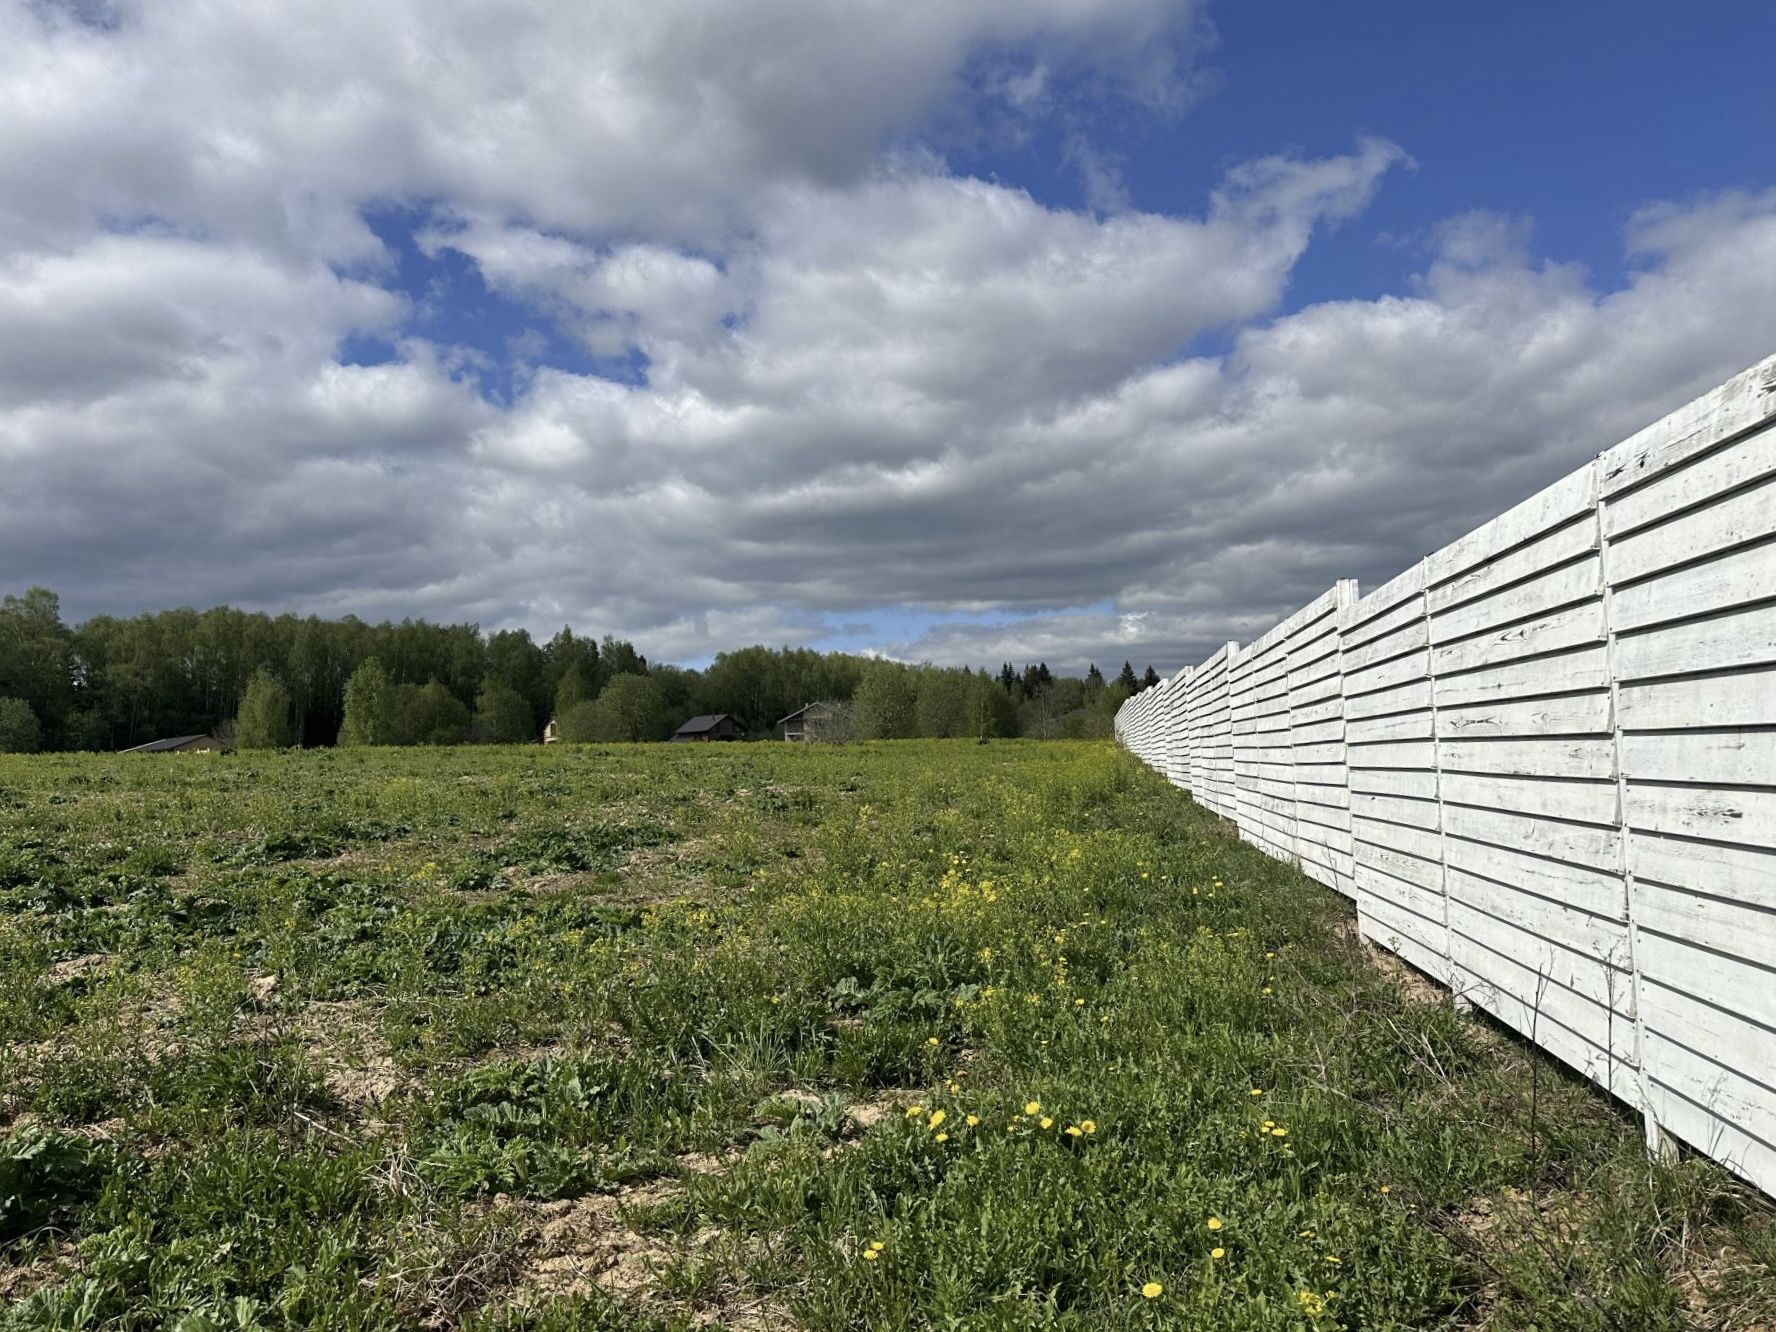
(550, 736)
(712, 726)
(827, 721)
(180, 744)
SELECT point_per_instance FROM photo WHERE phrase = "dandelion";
(1279, 1132)
(1256, 1091)
(1047, 1122)
(1152, 1290)
(1088, 1125)
(1332, 1258)
(914, 1110)
(1214, 1223)
(1312, 1303)
(972, 1121)
(1387, 1188)
(1074, 1131)
(931, 1040)
(937, 1117)
(1031, 1107)
(1079, 1003)
(870, 1255)
(942, 1137)
(954, 1087)
(1266, 990)
(1217, 1253)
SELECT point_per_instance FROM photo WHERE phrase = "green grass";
(634, 1037)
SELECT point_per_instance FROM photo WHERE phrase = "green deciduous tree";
(430, 714)
(19, 731)
(502, 715)
(630, 707)
(263, 721)
(575, 688)
(885, 706)
(369, 707)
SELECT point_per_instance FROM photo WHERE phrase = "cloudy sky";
(1075, 329)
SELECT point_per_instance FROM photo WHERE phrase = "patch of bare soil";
(342, 1038)
(72, 968)
(576, 1244)
(18, 1281)
(1412, 982)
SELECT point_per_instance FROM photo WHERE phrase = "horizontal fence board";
(1566, 673)
(1574, 714)
(1555, 798)
(1578, 537)
(1749, 515)
(1566, 756)
(1741, 638)
(1570, 628)
(1538, 597)
(1500, 878)
(1734, 579)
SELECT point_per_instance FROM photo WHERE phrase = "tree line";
(274, 681)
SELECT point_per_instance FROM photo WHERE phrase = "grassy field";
(927, 1034)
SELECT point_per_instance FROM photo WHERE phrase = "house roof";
(792, 716)
(159, 746)
(697, 725)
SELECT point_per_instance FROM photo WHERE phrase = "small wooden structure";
(180, 744)
(710, 726)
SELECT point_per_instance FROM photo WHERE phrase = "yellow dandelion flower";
(1387, 1188)
(877, 1245)
(1217, 1253)
(1268, 1125)
(1152, 1290)
(914, 1110)
(1047, 1122)
(1332, 1258)
(1266, 990)
(1279, 1132)
(937, 1117)
(972, 1120)
(1090, 1126)
(1256, 1091)
(1214, 1223)
(1031, 1107)
(1074, 1131)
(870, 1255)
(942, 1137)
(931, 1040)
(1311, 1301)
(954, 1087)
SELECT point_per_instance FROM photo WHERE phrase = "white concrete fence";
(1543, 762)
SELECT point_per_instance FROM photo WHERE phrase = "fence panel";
(1263, 758)
(1212, 686)
(1316, 740)
(1689, 518)
(1535, 892)
(1396, 822)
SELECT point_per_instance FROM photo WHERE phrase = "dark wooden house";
(712, 726)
